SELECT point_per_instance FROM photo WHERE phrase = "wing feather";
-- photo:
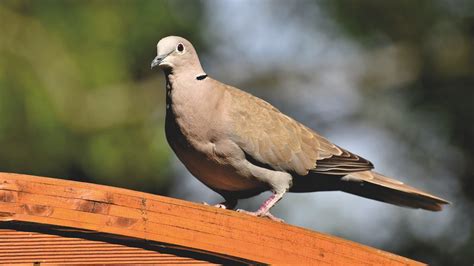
(273, 139)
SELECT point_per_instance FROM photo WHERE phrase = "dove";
(240, 146)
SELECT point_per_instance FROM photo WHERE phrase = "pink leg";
(264, 210)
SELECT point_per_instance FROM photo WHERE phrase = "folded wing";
(272, 139)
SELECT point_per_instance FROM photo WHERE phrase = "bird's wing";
(272, 139)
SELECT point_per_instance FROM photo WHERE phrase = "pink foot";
(264, 210)
(262, 214)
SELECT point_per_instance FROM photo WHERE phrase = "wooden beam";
(179, 223)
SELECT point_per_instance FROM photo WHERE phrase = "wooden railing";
(179, 224)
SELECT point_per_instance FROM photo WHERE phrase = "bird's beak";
(158, 59)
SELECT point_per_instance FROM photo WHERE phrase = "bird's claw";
(219, 205)
(262, 214)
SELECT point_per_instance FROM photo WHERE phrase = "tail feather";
(375, 186)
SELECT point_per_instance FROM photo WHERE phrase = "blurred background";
(391, 81)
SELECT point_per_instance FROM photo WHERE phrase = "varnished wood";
(175, 223)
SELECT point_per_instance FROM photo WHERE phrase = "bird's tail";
(375, 186)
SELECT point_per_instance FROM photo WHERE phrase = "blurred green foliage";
(76, 99)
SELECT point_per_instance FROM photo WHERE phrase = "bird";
(239, 145)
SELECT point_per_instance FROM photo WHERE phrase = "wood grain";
(151, 218)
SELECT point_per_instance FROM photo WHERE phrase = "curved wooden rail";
(175, 223)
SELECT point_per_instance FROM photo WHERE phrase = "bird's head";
(175, 54)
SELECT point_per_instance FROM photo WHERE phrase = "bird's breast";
(191, 138)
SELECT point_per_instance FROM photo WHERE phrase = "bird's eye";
(180, 47)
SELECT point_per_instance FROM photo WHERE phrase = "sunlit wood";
(74, 210)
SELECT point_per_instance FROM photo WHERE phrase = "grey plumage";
(240, 145)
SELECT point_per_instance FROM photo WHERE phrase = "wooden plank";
(192, 226)
(29, 247)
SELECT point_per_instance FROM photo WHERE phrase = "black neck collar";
(201, 77)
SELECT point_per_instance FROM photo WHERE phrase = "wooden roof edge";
(173, 222)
